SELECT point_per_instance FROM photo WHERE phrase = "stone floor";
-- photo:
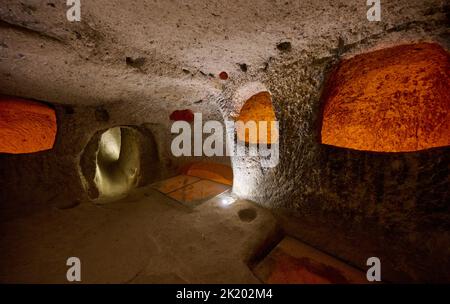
(183, 230)
(190, 190)
(293, 262)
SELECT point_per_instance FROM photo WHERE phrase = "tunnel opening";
(390, 100)
(26, 126)
(117, 160)
(258, 109)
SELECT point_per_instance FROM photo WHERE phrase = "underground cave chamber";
(363, 137)
(384, 129)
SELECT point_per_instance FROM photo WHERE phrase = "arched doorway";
(117, 160)
(257, 109)
(26, 126)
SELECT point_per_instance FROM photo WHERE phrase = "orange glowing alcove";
(257, 108)
(213, 171)
(391, 100)
(26, 126)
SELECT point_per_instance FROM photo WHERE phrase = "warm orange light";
(26, 126)
(391, 100)
(258, 108)
(213, 171)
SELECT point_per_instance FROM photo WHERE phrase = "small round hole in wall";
(247, 214)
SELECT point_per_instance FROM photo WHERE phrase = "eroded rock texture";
(392, 100)
(26, 126)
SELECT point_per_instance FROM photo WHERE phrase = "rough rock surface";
(26, 126)
(392, 100)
